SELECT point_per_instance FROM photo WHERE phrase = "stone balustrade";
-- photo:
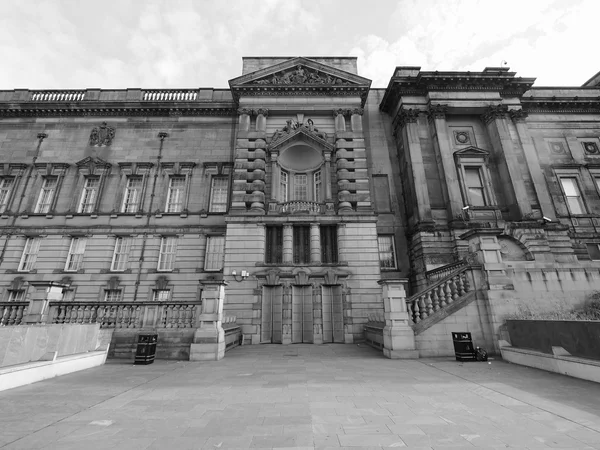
(443, 271)
(439, 295)
(11, 313)
(169, 95)
(57, 96)
(127, 314)
(298, 206)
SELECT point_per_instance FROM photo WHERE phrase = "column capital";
(406, 116)
(341, 112)
(518, 115)
(494, 112)
(357, 111)
(246, 111)
(437, 112)
(261, 111)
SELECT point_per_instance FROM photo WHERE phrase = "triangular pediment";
(93, 166)
(472, 151)
(300, 76)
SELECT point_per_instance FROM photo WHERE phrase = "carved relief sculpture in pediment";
(293, 125)
(300, 75)
(102, 135)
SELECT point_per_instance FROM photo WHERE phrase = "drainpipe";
(162, 135)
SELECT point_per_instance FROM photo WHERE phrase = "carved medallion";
(590, 148)
(462, 137)
(557, 148)
(102, 135)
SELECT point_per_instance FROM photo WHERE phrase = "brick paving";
(303, 397)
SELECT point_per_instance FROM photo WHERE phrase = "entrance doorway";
(271, 320)
(302, 315)
(333, 314)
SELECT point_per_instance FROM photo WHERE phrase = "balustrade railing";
(302, 206)
(127, 314)
(439, 295)
(167, 95)
(443, 271)
(11, 313)
(57, 96)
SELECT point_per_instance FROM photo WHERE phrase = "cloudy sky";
(60, 44)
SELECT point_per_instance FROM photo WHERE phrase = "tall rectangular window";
(474, 186)
(215, 251)
(121, 254)
(17, 295)
(594, 251)
(318, 186)
(175, 196)
(597, 180)
(30, 251)
(387, 255)
(274, 249)
(46, 196)
(329, 248)
(89, 195)
(113, 295)
(301, 244)
(133, 195)
(6, 186)
(168, 250)
(283, 187)
(572, 195)
(300, 187)
(75, 256)
(218, 194)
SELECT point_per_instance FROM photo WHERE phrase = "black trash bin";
(146, 348)
(463, 346)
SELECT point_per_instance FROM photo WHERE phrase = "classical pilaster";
(356, 120)
(315, 243)
(244, 119)
(406, 121)
(340, 120)
(497, 126)
(261, 119)
(274, 177)
(439, 132)
(518, 116)
(327, 176)
(288, 244)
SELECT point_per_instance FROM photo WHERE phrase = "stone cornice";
(70, 110)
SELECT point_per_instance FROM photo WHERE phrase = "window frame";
(107, 295)
(274, 244)
(165, 256)
(393, 251)
(588, 245)
(125, 204)
(301, 244)
(70, 255)
(6, 199)
(222, 204)
(182, 194)
(29, 257)
(577, 182)
(125, 262)
(155, 297)
(89, 207)
(209, 258)
(12, 297)
(46, 207)
(475, 158)
(329, 252)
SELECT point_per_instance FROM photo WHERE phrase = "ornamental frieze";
(300, 75)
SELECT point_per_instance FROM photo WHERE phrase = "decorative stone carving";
(246, 111)
(462, 137)
(340, 112)
(330, 278)
(358, 111)
(292, 125)
(300, 75)
(590, 148)
(518, 115)
(437, 112)
(102, 135)
(161, 283)
(405, 116)
(301, 278)
(261, 111)
(557, 148)
(494, 112)
(272, 278)
(510, 250)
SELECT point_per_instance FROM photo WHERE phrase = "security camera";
(546, 219)
(466, 208)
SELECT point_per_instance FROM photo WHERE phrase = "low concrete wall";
(24, 343)
(23, 374)
(172, 343)
(559, 362)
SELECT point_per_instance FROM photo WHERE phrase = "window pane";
(473, 177)
(300, 187)
(476, 196)
(89, 195)
(161, 295)
(113, 295)
(573, 195)
(75, 256)
(5, 189)
(387, 258)
(597, 179)
(329, 252)
(168, 250)
(318, 186)
(215, 249)
(175, 194)
(16, 296)
(29, 256)
(570, 187)
(218, 194)
(133, 193)
(46, 195)
(301, 244)
(121, 254)
(283, 187)
(274, 250)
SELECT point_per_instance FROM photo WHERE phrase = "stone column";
(261, 119)
(398, 335)
(356, 120)
(209, 338)
(407, 123)
(317, 316)
(288, 240)
(340, 120)
(497, 127)
(274, 178)
(286, 327)
(441, 143)
(244, 119)
(315, 244)
(539, 181)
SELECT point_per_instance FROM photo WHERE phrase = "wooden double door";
(298, 316)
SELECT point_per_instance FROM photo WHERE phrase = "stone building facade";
(309, 203)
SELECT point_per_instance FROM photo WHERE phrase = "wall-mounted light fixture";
(240, 277)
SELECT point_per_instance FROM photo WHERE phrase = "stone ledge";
(560, 362)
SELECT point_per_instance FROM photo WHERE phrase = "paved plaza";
(303, 397)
